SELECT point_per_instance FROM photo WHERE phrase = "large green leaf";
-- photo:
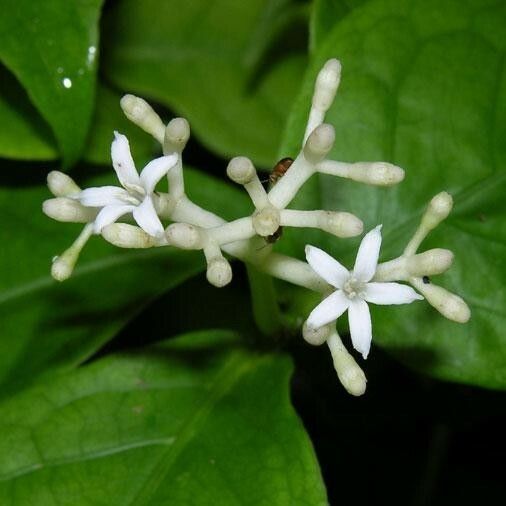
(200, 59)
(325, 15)
(199, 420)
(24, 135)
(48, 326)
(423, 87)
(30, 138)
(55, 62)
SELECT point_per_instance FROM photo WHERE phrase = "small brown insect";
(271, 239)
(279, 170)
(426, 280)
(277, 173)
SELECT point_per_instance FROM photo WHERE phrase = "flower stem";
(266, 310)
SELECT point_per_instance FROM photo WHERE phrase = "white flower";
(136, 195)
(354, 290)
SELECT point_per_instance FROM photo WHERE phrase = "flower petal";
(360, 326)
(367, 256)
(390, 293)
(330, 309)
(155, 170)
(326, 267)
(102, 196)
(122, 161)
(109, 214)
(146, 217)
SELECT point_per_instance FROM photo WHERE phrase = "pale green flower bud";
(319, 143)
(61, 185)
(219, 272)
(138, 111)
(176, 136)
(240, 170)
(316, 336)
(68, 210)
(125, 235)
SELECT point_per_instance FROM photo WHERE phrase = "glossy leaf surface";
(423, 87)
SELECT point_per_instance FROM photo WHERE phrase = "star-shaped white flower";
(136, 194)
(354, 290)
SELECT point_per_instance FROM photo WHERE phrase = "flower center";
(136, 194)
(353, 288)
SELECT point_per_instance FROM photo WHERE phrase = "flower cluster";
(190, 227)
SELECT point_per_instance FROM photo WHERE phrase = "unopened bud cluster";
(188, 226)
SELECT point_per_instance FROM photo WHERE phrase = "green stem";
(266, 310)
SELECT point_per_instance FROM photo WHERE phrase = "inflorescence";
(194, 228)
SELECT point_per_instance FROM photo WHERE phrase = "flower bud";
(138, 111)
(184, 236)
(319, 143)
(341, 224)
(348, 371)
(125, 235)
(428, 263)
(219, 272)
(177, 134)
(376, 173)
(61, 185)
(68, 210)
(314, 336)
(266, 221)
(326, 85)
(384, 174)
(451, 306)
(240, 170)
(350, 374)
(63, 266)
(437, 210)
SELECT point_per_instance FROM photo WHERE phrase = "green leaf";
(423, 87)
(200, 59)
(55, 63)
(325, 15)
(198, 420)
(27, 136)
(49, 326)
(30, 138)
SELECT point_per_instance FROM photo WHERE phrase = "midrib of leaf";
(391, 138)
(458, 226)
(229, 374)
(225, 379)
(84, 457)
(461, 197)
(90, 267)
